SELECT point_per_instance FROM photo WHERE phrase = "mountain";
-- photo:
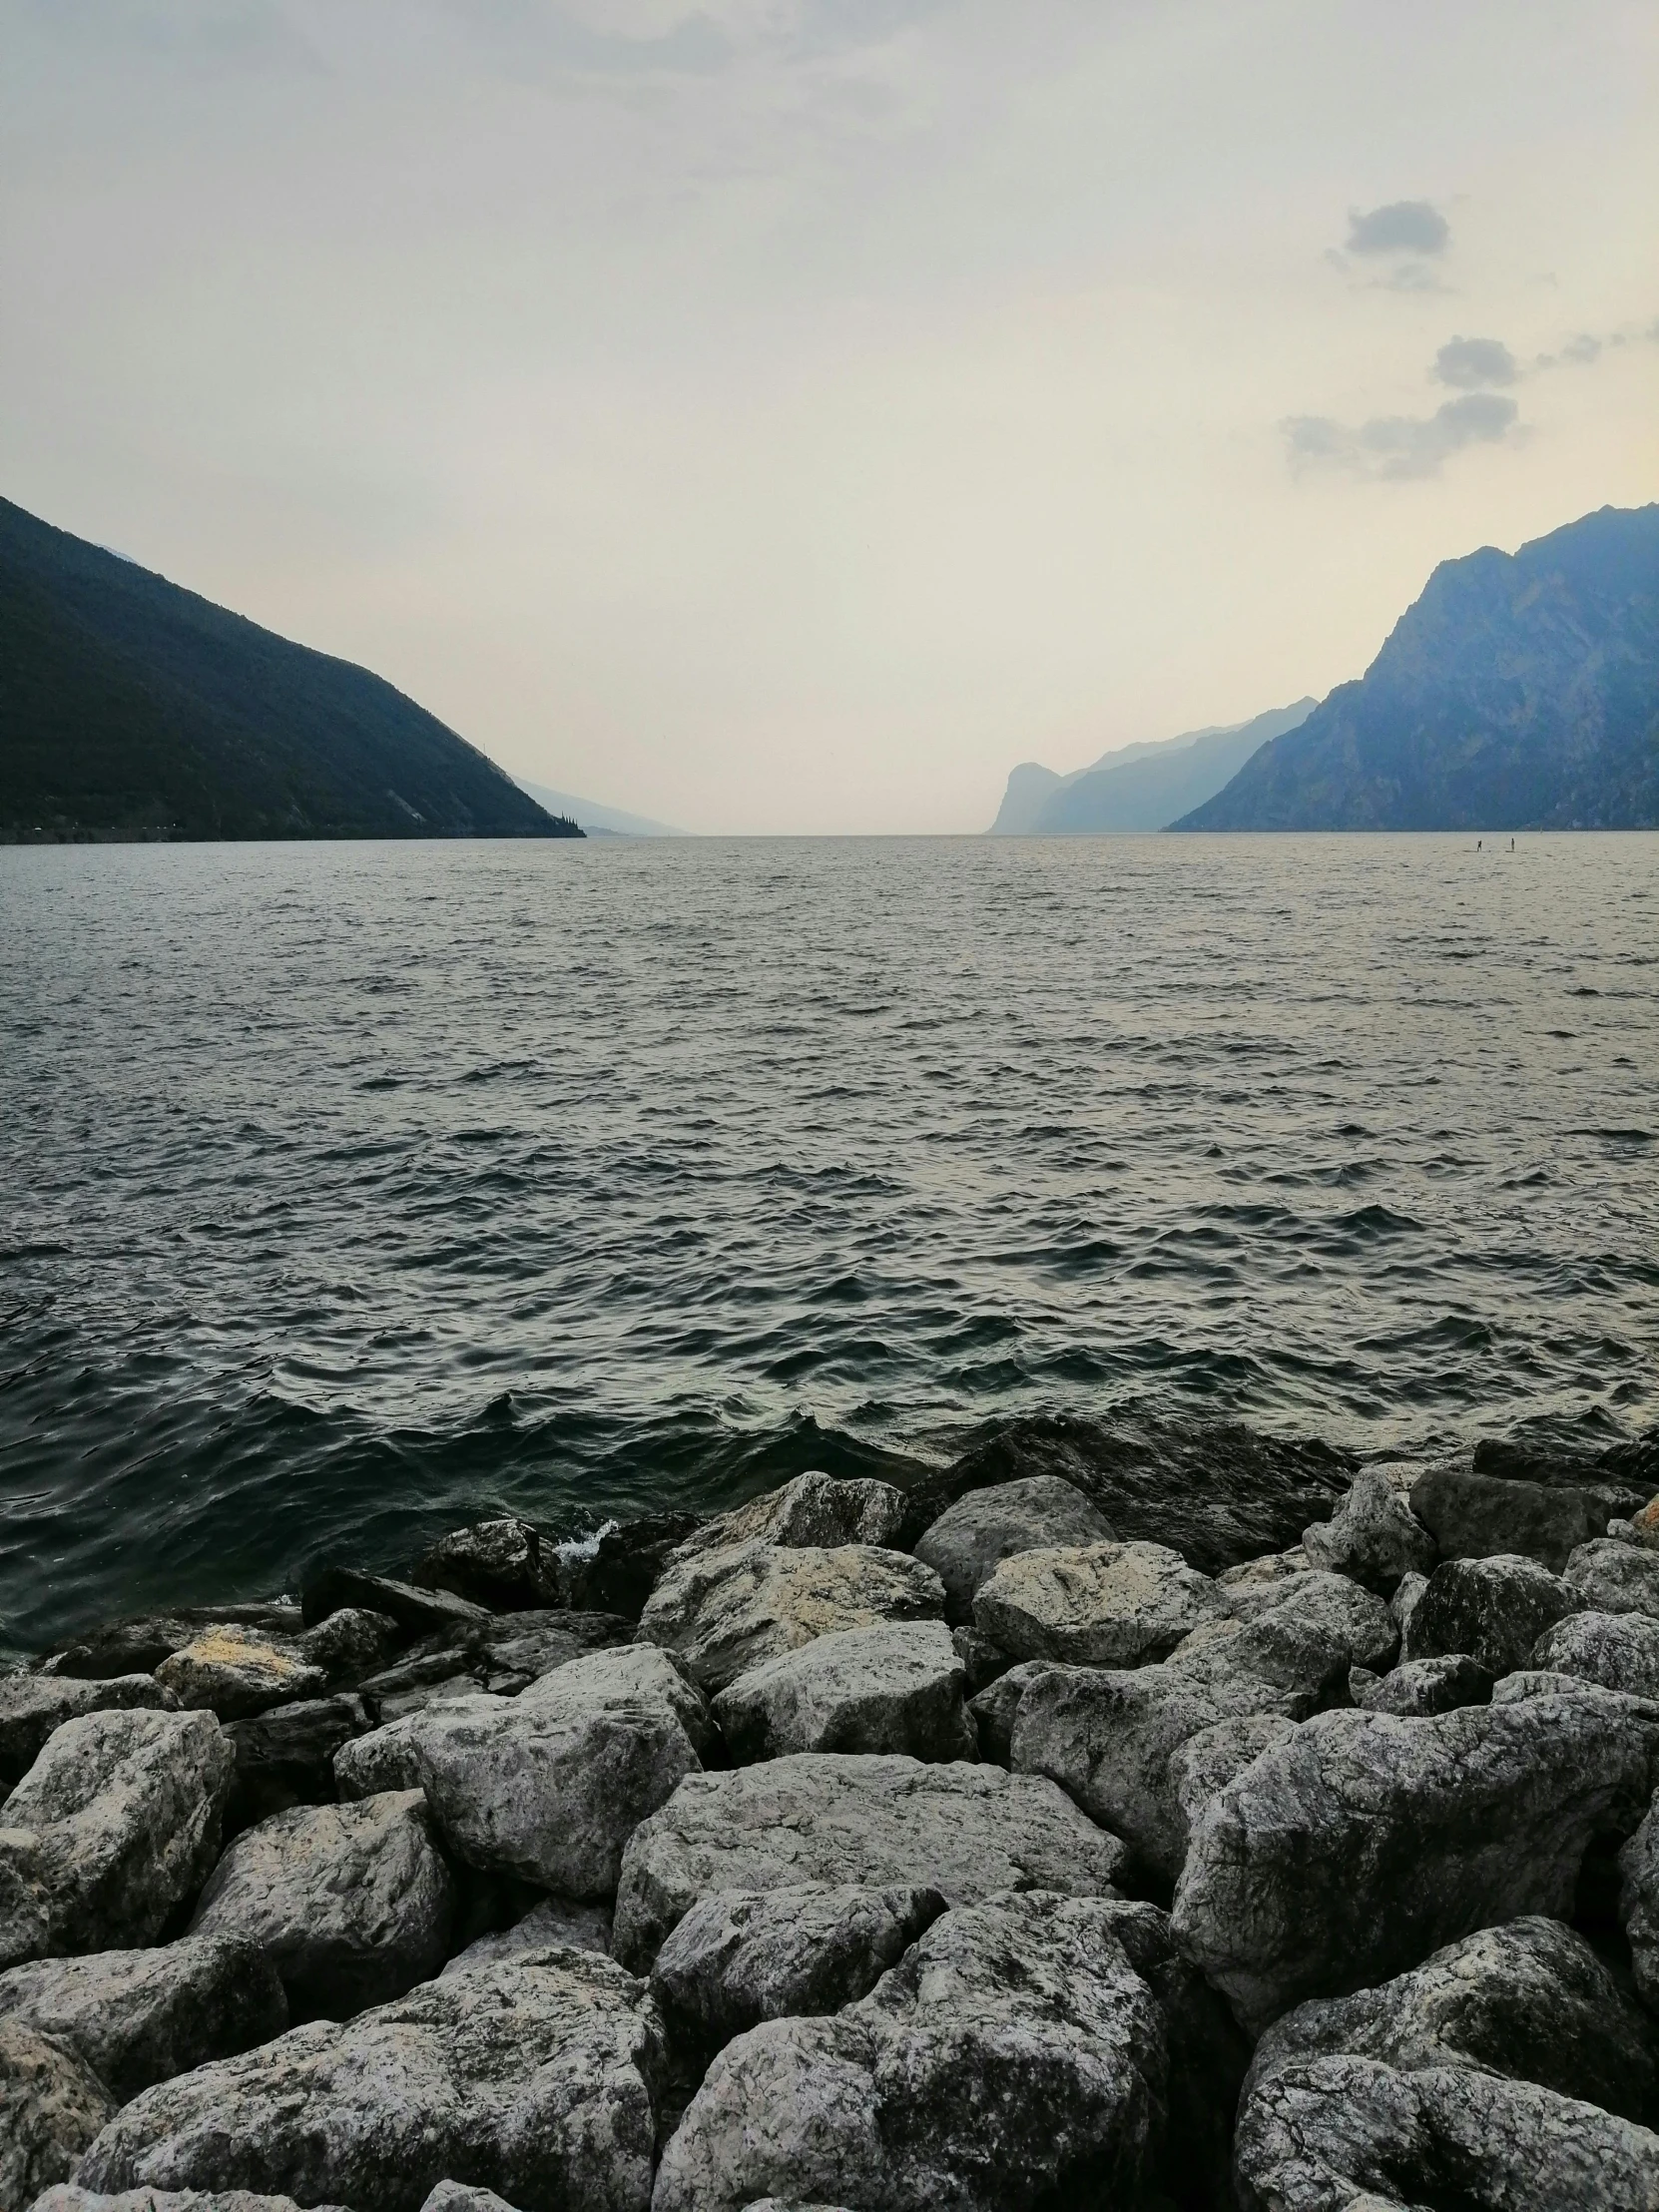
(130, 709)
(594, 819)
(1520, 692)
(1137, 787)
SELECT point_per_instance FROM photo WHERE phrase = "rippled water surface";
(351, 1190)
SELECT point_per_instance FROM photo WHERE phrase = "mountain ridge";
(1136, 786)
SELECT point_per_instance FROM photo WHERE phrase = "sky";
(786, 415)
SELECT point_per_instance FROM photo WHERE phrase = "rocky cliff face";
(1520, 692)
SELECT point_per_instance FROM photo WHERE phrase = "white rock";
(32, 1705)
(822, 1511)
(897, 1687)
(238, 1672)
(1095, 1605)
(51, 2108)
(971, 1538)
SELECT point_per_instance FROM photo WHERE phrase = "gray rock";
(1374, 1536)
(1618, 1650)
(741, 1957)
(1405, 1601)
(350, 1643)
(994, 1708)
(1205, 1763)
(815, 1511)
(897, 1687)
(119, 1820)
(287, 1756)
(1271, 1567)
(966, 1830)
(1491, 1609)
(137, 1646)
(1638, 1906)
(1481, 1516)
(236, 1671)
(1013, 2060)
(971, 1538)
(505, 1563)
(1425, 1686)
(554, 1921)
(68, 2197)
(388, 1757)
(1330, 1606)
(140, 2017)
(726, 1611)
(352, 1903)
(1353, 2135)
(1529, 2000)
(25, 1915)
(1364, 1841)
(981, 1659)
(51, 2108)
(550, 1785)
(533, 2076)
(459, 2196)
(1095, 1605)
(32, 1705)
(1108, 1736)
(1610, 1577)
(417, 1612)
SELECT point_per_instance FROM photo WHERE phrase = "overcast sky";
(787, 414)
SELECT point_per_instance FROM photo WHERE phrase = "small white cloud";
(1469, 364)
(1398, 449)
(1414, 227)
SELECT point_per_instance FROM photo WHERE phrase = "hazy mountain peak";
(1136, 786)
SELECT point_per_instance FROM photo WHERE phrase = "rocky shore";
(1109, 1820)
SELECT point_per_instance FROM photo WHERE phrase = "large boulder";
(388, 1757)
(1480, 1517)
(1611, 1578)
(1217, 1493)
(417, 1612)
(139, 1645)
(553, 1921)
(67, 2196)
(1329, 1606)
(725, 1611)
(896, 1687)
(1095, 1605)
(349, 1644)
(815, 1511)
(1013, 2060)
(966, 1830)
(741, 1957)
(116, 1824)
(971, 1538)
(507, 1564)
(616, 1569)
(550, 1785)
(51, 2106)
(534, 2076)
(1374, 1536)
(287, 1756)
(1425, 1686)
(236, 1671)
(1363, 1843)
(1618, 1650)
(352, 1903)
(32, 1705)
(1638, 1906)
(1108, 1736)
(1483, 2078)
(141, 2016)
(1491, 1609)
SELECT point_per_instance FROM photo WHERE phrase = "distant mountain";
(605, 822)
(1520, 692)
(1137, 787)
(130, 709)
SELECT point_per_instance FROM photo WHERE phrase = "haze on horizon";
(788, 414)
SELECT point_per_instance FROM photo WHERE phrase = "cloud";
(1582, 349)
(219, 36)
(1399, 448)
(1402, 227)
(1469, 363)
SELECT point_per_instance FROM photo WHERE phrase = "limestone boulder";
(141, 2016)
(51, 2106)
(507, 1564)
(1108, 1736)
(550, 1785)
(897, 1687)
(351, 1903)
(1618, 1650)
(1611, 1578)
(461, 2196)
(1425, 1686)
(417, 1612)
(726, 1610)
(1329, 1606)
(534, 2076)
(32, 1705)
(1480, 1517)
(747, 1955)
(1493, 1610)
(139, 1644)
(1095, 1605)
(350, 1643)
(1638, 1905)
(235, 1672)
(1271, 1566)
(971, 1538)
(388, 1757)
(966, 1830)
(994, 1708)
(1374, 1536)
(116, 1824)
(815, 1511)
(1013, 2060)
(553, 1921)
(287, 1756)
(67, 2196)
(1205, 1763)
(1363, 1843)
